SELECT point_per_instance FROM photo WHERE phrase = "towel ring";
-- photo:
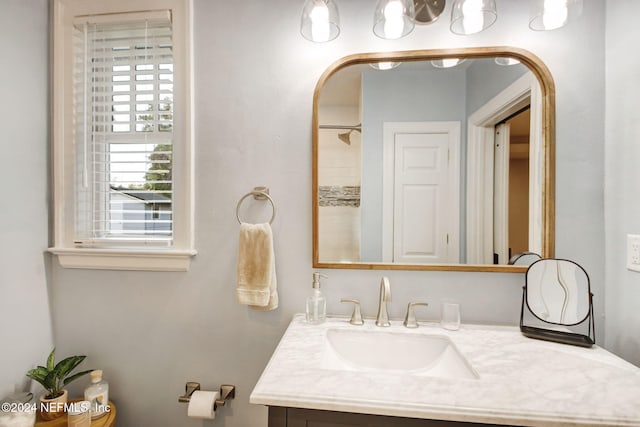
(258, 193)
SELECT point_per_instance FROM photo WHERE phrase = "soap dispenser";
(316, 303)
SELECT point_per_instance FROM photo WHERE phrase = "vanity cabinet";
(516, 380)
(296, 417)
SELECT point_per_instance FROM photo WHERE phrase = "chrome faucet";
(385, 295)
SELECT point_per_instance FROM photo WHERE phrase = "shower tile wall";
(339, 180)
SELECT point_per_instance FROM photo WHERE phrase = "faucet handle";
(410, 320)
(356, 317)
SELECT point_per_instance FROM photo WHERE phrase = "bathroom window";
(122, 135)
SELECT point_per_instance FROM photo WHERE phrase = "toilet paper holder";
(227, 392)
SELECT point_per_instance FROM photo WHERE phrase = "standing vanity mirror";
(557, 303)
(433, 160)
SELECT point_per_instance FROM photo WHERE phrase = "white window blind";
(123, 83)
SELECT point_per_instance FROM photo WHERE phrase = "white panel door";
(424, 204)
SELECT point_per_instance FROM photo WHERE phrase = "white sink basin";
(417, 354)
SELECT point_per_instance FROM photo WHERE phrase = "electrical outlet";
(633, 252)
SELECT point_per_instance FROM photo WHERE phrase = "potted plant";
(53, 377)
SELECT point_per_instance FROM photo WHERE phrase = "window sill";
(120, 259)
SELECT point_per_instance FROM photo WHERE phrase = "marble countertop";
(521, 381)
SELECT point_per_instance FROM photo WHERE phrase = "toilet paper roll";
(201, 404)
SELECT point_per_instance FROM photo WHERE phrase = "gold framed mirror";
(417, 166)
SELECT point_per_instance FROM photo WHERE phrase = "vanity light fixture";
(427, 11)
(320, 21)
(506, 61)
(384, 66)
(472, 16)
(393, 19)
(447, 62)
(552, 14)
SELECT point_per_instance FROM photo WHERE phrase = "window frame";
(176, 257)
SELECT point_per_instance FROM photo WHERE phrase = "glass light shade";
(503, 60)
(447, 62)
(552, 14)
(393, 19)
(320, 21)
(472, 16)
(384, 66)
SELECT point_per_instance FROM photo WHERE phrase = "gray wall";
(255, 78)
(25, 321)
(485, 80)
(622, 177)
(399, 96)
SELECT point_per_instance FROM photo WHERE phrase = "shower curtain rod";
(342, 127)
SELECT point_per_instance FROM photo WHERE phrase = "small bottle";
(316, 303)
(98, 394)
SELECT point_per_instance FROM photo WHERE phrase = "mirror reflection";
(430, 161)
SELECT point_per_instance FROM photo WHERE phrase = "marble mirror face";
(428, 160)
(558, 291)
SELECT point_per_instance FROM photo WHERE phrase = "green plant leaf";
(50, 382)
(76, 376)
(38, 374)
(51, 359)
(64, 367)
(53, 378)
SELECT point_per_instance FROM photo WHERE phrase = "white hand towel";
(256, 267)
